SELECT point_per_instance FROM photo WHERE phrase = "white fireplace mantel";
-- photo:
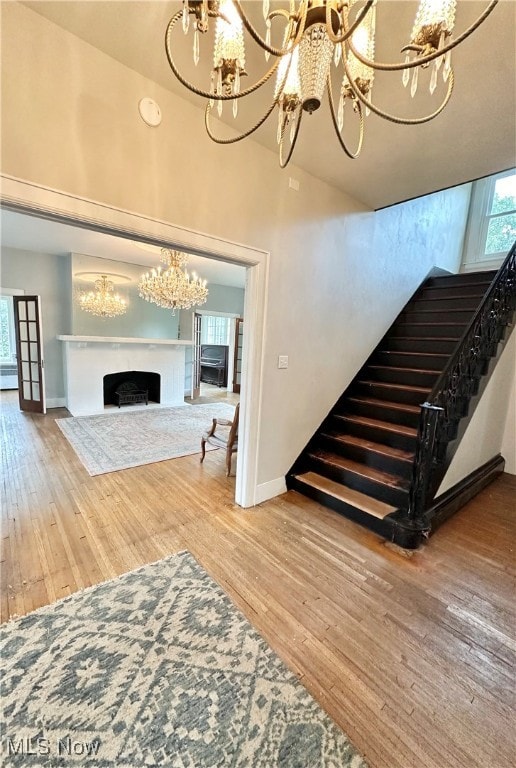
(87, 359)
(126, 340)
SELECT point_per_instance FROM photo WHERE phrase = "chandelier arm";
(284, 163)
(242, 135)
(419, 60)
(400, 120)
(200, 91)
(351, 155)
(337, 39)
(261, 42)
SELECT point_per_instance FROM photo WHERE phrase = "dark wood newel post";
(424, 461)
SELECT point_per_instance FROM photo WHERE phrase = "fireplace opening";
(132, 388)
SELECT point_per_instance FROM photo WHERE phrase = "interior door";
(237, 364)
(29, 350)
(196, 373)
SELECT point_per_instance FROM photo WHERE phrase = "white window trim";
(474, 258)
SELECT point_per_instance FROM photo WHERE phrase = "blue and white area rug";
(156, 668)
(109, 442)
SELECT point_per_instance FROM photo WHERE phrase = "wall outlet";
(283, 361)
(293, 183)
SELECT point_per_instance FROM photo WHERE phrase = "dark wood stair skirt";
(454, 498)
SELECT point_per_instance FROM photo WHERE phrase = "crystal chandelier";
(103, 301)
(173, 288)
(314, 34)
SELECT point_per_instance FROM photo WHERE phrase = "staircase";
(368, 458)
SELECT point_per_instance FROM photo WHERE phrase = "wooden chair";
(229, 442)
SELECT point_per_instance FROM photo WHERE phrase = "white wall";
(338, 273)
(491, 429)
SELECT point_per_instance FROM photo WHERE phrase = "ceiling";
(473, 137)
(30, 233)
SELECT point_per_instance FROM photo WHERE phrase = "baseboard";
(455, 497)
(269, 490)
(56, 402)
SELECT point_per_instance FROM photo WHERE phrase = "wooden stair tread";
(449, 296)
(419, 354)
(403, 369)
(386, 404)
(376, 475)
(369, 445)
(414, 308)
(379, 424)
(438, 323)
(419, 338)
(347, 495)
(388, 385)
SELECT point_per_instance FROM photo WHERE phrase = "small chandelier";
(173, 288)
(316, 33)
(103, 301)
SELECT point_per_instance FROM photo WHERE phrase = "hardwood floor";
(411, 654)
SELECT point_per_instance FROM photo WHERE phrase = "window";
(491, 227)
(501, 216)
(7, 342)
(215, 330)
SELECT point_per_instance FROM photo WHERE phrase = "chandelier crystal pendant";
(103, 301)
(316, 33)
(173, 288)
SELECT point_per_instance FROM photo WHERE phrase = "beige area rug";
(110, 442)
(156, 668)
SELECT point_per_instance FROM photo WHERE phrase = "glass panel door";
(31, 379)
(196, 375)
(237, 369)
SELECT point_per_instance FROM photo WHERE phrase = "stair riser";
(385, 392)
(399, 344)
(366, 456)
(384, 413)
(411, 360)
(429, 311)
(443, 292)
(376, 435)
(409, 328)
(446, 281)
(386, 493)
(395, 376)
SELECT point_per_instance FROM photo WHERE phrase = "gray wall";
(142, 320)
(49, 277)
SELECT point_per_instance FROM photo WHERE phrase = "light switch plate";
(283, 361)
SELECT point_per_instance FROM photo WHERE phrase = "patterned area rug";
(109, 442)
(156, 668)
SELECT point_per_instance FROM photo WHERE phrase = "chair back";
(233, 433)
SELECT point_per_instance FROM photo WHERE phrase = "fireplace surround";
(88, 359)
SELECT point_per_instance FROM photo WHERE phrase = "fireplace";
(145, 386)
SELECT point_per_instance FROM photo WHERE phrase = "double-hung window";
(491, 229)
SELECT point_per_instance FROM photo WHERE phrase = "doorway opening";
(20, 196)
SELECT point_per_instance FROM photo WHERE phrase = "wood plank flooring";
(412, 655)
